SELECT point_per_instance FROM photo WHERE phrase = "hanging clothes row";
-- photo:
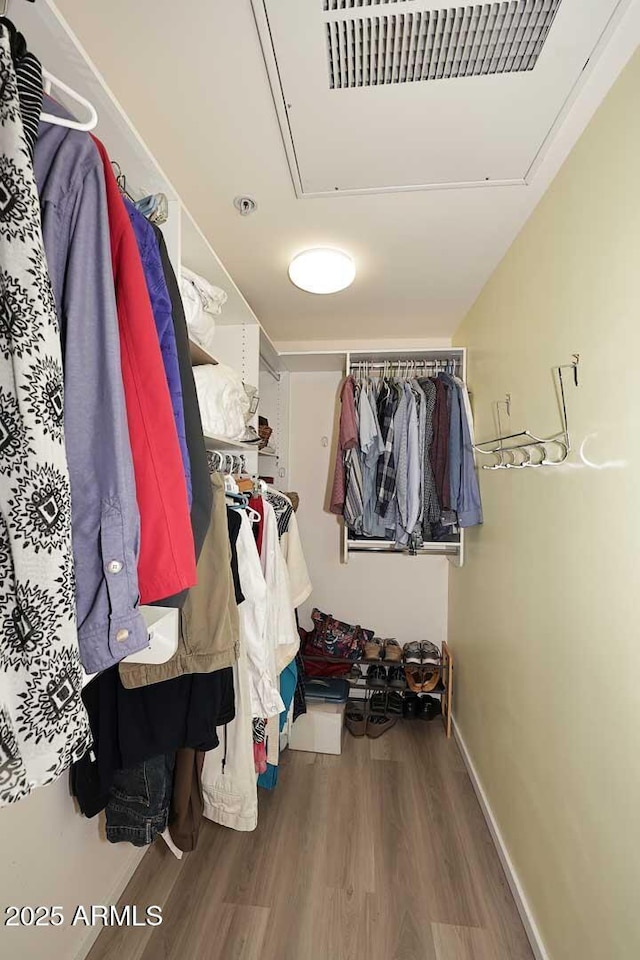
(120, 399)
(193, 753)
(275, 581)
(43, 726)
(404, 468)
(107, 501)
(142, 713)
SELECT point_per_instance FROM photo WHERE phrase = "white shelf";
(272, 454)
(199, 256)
(51, 38)
(315, 362)
(199, 356)
(221, 443)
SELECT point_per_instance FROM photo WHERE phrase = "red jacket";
(167, 562)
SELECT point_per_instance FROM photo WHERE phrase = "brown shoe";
(355, 720)
(422, 679)
(414, 676)
(430, 678)
(392, 651)
(373, 649)
(376, 726)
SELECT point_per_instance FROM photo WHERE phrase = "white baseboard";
(526, 915)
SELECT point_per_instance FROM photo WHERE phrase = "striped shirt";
(29, 76)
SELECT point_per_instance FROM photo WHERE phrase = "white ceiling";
(377, 128)
(193, 79)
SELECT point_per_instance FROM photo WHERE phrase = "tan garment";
(209, 620)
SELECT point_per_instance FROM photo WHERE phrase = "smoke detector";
(245, 205)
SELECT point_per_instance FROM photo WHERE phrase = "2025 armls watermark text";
(91, 916)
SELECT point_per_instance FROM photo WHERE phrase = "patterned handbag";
(335, 638)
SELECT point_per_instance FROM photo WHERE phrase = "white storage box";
(163, 625)
(320, 729)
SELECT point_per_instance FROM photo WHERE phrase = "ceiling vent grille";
(351, 4)
(437, 44)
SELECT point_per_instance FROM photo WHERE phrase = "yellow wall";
(544, 617)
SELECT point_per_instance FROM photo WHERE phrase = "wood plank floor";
(379, 854)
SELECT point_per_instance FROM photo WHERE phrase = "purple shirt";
(163, 316)
(104, 513)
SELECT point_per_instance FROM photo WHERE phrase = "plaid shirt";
(386, 474)
(431, 513)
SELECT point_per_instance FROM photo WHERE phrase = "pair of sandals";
(373, 726)
(387, 704)
(422, 679)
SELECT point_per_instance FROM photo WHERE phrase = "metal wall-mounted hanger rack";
(530, 444)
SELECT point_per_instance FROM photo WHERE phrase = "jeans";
(138, 807)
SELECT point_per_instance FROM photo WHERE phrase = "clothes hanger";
(50, 81)
(231, 487)
(121, 180)
(259, 487)
(154, 207)
(253, 515)
(84, 125)
(216, 457)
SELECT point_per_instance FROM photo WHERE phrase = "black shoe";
(395, 703)
(411, 705)
(378, 704)
(397, 678)
(377, 675)
(429, 708)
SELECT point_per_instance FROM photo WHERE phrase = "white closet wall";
(275, 396)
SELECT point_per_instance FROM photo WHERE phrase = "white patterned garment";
(43, 724)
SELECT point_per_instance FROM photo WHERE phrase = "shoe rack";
(444, 690)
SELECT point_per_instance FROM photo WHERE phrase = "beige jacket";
(209, 620)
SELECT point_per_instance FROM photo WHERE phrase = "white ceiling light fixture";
(322, 270)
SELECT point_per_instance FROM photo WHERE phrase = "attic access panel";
(383, 95)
